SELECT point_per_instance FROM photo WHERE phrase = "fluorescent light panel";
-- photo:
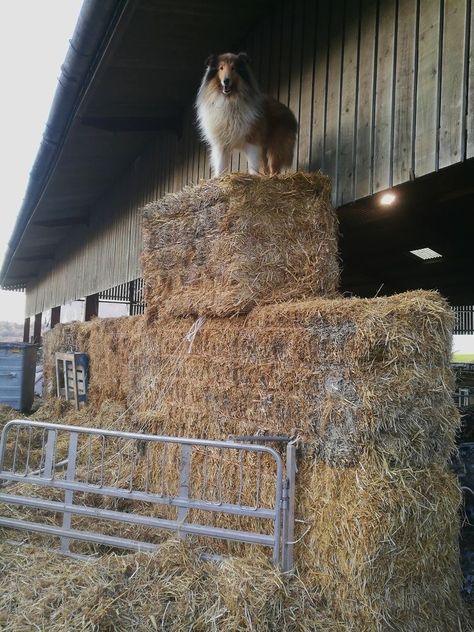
(426, 253)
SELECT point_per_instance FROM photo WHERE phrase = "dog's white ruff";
(225, 122)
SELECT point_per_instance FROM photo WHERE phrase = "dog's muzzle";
(226, 86)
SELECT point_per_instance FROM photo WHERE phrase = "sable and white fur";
(233, 114)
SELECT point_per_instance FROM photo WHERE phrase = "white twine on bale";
(189, 338)
(193, 331)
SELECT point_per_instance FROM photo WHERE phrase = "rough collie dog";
(233, 114)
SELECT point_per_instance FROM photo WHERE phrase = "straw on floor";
(172, 590)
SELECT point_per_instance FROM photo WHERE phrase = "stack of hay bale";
(364, 383)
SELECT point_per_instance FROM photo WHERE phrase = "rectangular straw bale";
(359, 379)
(228, 244)
(383, 546)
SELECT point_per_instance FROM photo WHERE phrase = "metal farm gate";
(147, 481)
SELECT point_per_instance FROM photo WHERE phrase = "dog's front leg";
(254, 158)
(220, 159)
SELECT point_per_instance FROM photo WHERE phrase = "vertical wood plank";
(307, 79)
(320, 86)
(176, 171)
(275, 54)
(470, 90)
(404, 91)
(266, 57)
(333, 102)
(202, 161)
(295, 71)
(453, 69)
(285, 53)
(427, 88)
(383, 139)
(348, 103)
(187, 151)
(365, 102)
(195, 156)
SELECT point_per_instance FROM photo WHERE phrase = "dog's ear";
(243, 57)
(211, 61)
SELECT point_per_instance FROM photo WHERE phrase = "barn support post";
(92, 306)
(26, 330)
(37, 329)
(55, 316)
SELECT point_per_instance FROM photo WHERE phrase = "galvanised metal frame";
(47, 475)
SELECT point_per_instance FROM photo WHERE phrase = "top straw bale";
(228, 244)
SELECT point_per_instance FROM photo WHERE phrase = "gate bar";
(133, 435)
(145, 521)
(173, 501)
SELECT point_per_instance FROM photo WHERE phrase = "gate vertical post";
(68, 494)
(289, 514)
(50, 455)
(184, 469)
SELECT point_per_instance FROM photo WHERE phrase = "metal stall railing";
(85, 463)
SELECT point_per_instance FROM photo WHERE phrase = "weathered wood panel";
(365, 102)
(383, 136)
(333, 93)
(307, 83)
(452, 82)
(427, 103)
(470, 89)
(383, 89)
(296, 75)
(348, 103)
(404, 110)
(320, 87)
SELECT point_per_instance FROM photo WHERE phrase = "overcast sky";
(34, 37)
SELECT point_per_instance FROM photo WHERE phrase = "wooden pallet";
(71, 377)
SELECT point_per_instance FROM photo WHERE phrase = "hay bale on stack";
(231, 243)
(355, 379)
(383, 547)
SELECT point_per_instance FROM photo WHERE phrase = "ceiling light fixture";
(387, 199)
(426, 254)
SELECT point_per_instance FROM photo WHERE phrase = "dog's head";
(226, 72)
